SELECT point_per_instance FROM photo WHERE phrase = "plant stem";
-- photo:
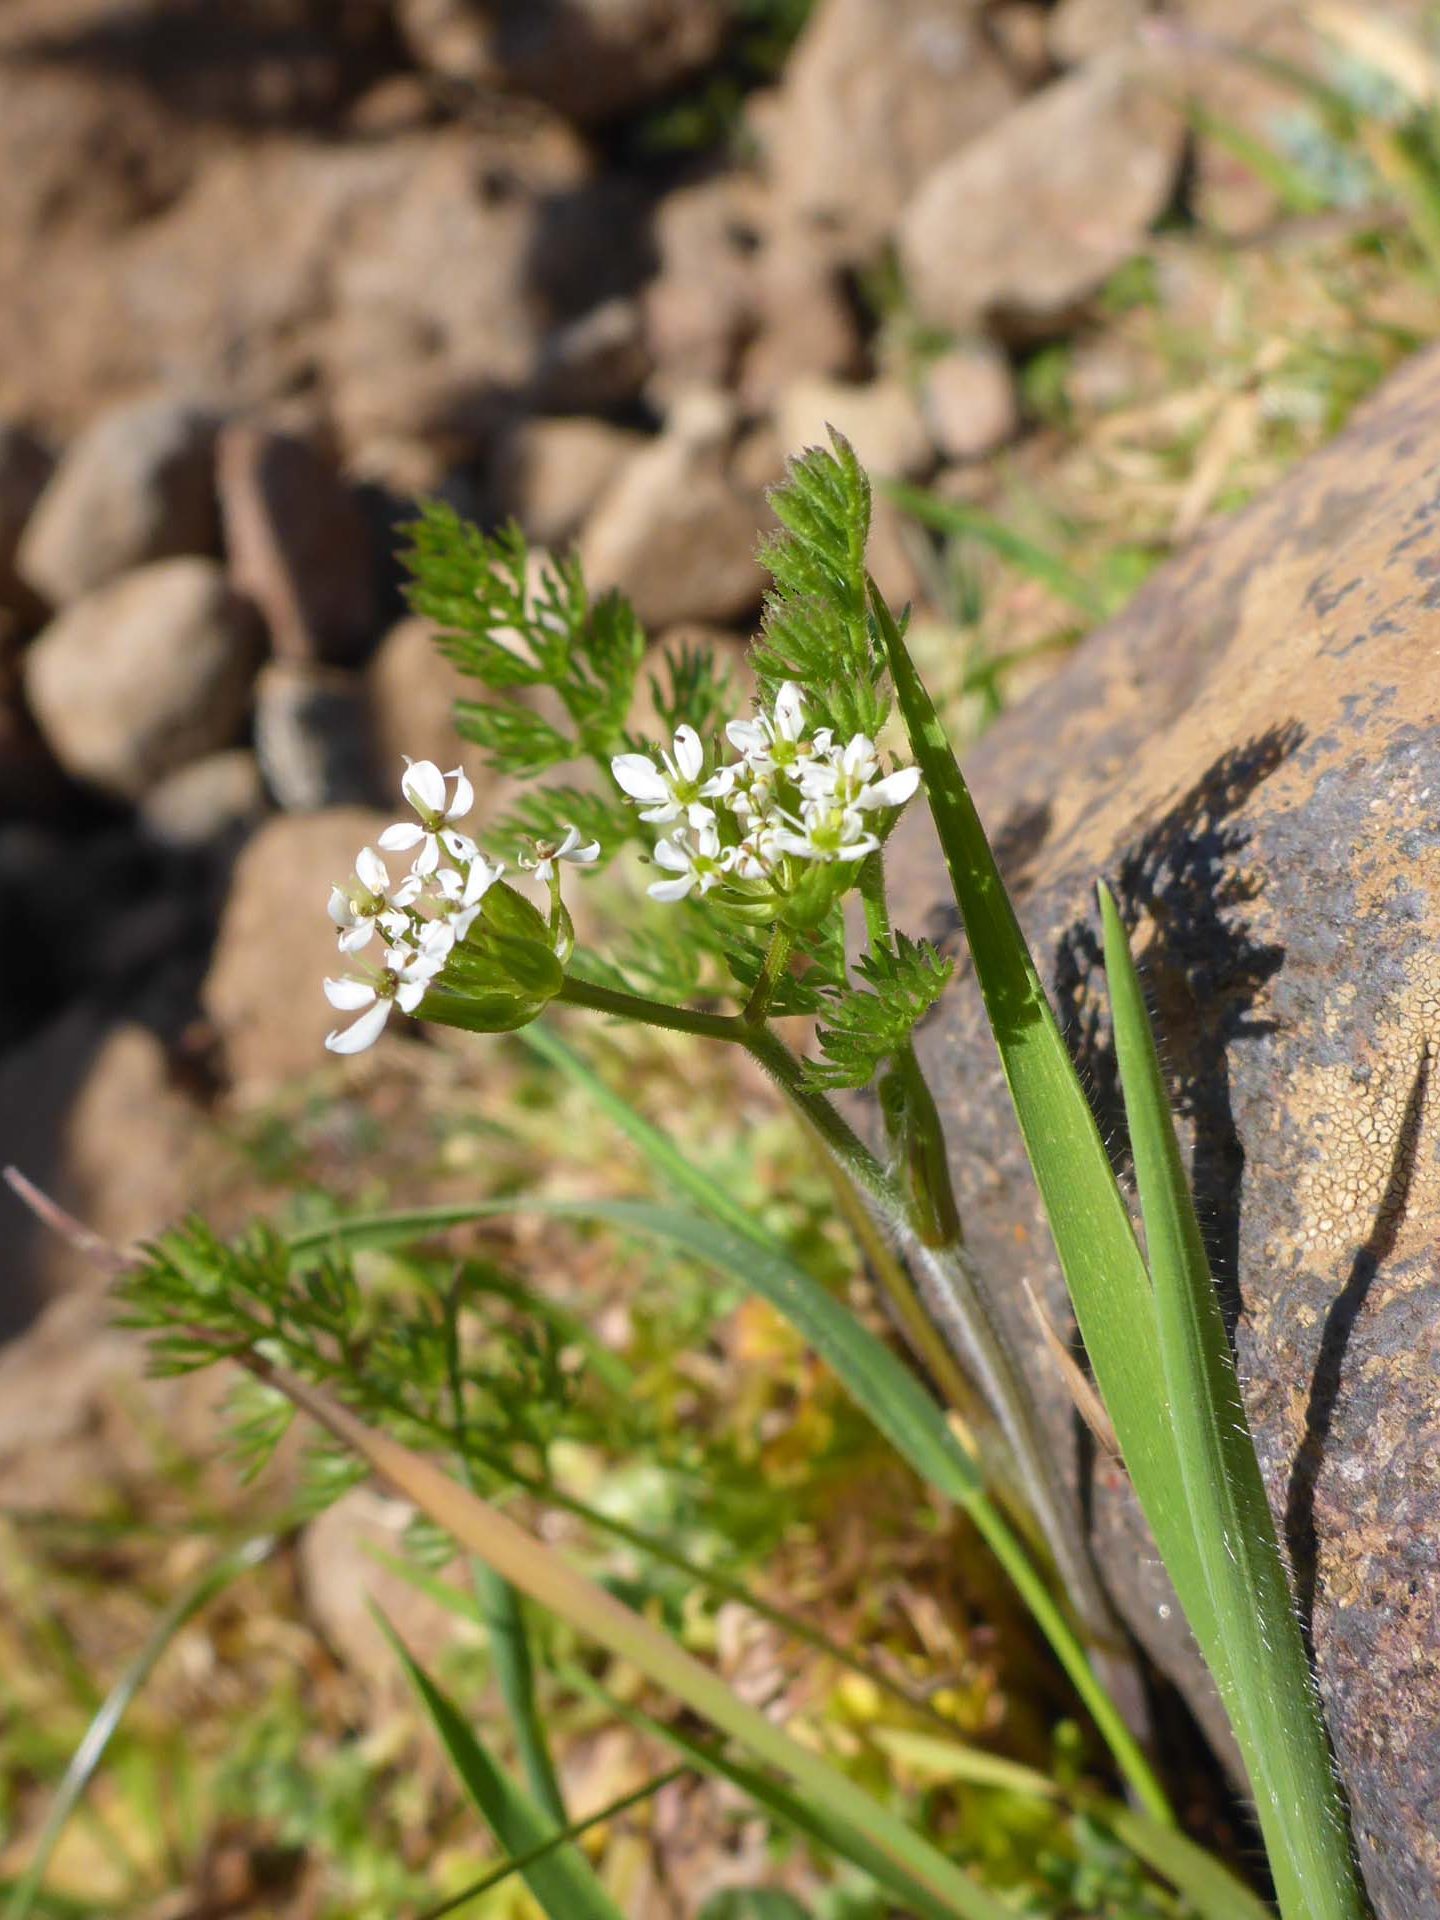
(777, 958)
(652, 1013)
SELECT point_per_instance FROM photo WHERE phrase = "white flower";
(701, 865)
(368, 903)
(423, 785)
(408, 972)
(541, 862)
(824, 832)
(755, 857)
(847, 778)
(775, 742)
(673, 788)
(460, 897)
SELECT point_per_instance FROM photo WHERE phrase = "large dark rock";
(1251, 756)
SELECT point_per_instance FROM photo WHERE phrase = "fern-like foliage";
(863, 1026)
(516, 628)
(816, 628)
(449, 1366)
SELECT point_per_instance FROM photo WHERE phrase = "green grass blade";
(1094, 1239)
(1207, 1883)
(1264, 1675)
(677, 1173)
(98, 1735)
(875, 1377)
(559, 1877)
(548, 1579)
(879, 1382)
(1291, 185)
(1026, 556)
(810, 1820)
(519, 1862)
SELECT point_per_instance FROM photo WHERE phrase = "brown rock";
(144, 675)
(674, 532)
(138, 485)
(90, 1111)
(874, 97)
(25, 467)
(214, 800)
(881, 420)
(298, 545)
(1020, 29)
(413, 689)
(396, 272)
(701, 306)
(1251, 755)
(1082, 29)
(272, 1021)
(969, 401)
(550, 473)
(344, 1581)
(590, 59)
(312, 735)
(1028, 221)
(806, 320)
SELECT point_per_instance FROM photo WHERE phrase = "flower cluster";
(793, 795)
(421, 919)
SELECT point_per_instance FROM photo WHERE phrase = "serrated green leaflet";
(560, 1879)
(1262, 1670)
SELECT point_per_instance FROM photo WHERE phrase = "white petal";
(371, 869)
(464, 795)
(463, 921)
(408, 891)
(639, 777)
(478, 882)
(583, 856)
(458, 845)
(423, 785)
(668, 809)
(789, 711)
(719, 783)
(340, 909)
(363, 1033)
(858, 849)
(671, 889)
(357, 937)
(670, 853)
(410, 993)
(689, 754)
(698, 814)
(568, 840)
(347, 995)
(428, 858)
(893, 791)
(746, 736)
(402, 836)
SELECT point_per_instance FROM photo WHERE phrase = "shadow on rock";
(1184, 887)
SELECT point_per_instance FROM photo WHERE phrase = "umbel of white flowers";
(791, 795)
(432, 908)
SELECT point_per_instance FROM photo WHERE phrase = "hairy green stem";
(960, 1308)
(651, 1013)
(777, 958)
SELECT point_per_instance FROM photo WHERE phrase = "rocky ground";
(273, 268)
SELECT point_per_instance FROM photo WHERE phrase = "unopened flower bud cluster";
(420, 919)
(793, 794)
